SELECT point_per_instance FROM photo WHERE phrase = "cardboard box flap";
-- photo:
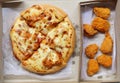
(1, 57)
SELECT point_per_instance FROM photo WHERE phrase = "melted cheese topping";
(45, 52)
(62, 33)
(26, 37)
(32, 13)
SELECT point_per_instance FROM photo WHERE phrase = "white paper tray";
(87, 16)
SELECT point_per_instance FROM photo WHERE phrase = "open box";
(74, 15)
(87, 16)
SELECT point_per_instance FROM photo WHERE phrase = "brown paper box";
(77, 59)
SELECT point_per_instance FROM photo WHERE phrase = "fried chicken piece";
(89, 30)
(102, 12)
(100, 24)
(91, 50)
(107, 44)
(105, 60)
(93, 67)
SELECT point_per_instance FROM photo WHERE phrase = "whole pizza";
(43, 39)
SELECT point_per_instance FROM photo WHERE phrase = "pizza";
(43, 39)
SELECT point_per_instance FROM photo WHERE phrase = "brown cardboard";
(1, 58)
(7, 0)
(25, 79)
(117, 26)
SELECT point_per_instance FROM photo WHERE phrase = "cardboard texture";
(117, 26)
(1, 57)
(67, 6)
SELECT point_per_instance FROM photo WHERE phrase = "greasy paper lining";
(12, 65)
(104, 73)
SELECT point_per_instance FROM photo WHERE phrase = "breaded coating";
(107, 44)
(100, 24)
(102, 12)
(89, 30)
(93, 67)
(91, 50)
(105, 60)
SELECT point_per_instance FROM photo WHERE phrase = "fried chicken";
(93, 67)
(100, 24)
(102, 12)
(105, 60)
(91, 50)
(89, 30)
(107, 44)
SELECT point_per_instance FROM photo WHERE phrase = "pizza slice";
(62, 38)
(25, 39)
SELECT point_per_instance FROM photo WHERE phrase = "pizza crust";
(50, 71)
(58, 9)
(72, 39)
(25, 60)
(16, 52)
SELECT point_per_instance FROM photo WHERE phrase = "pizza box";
(86, 16)
(10, 10)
